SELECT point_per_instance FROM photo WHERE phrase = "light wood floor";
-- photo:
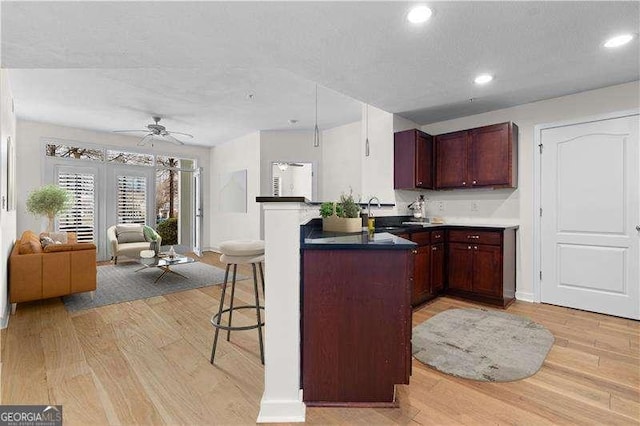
(147, 362)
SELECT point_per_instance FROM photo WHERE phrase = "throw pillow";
(129, 234)
(149, 233)
(45, 241)
(59, 237)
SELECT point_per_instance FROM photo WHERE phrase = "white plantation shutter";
(80, 218)
(132, 199)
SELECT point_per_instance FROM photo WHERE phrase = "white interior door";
(590, 190)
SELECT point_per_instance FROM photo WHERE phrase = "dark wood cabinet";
(486, 269)
(413, 160)
(480, 157)
(483, 268)
(460, 260)
(356, 325)
(437, 268)
(451, 160)
(422, 275)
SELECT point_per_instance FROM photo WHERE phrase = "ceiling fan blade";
(173, 140)
(181, 134)
(129, 131)
(144, 140)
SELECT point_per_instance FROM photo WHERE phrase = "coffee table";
(165, 263)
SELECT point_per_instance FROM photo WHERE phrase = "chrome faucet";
(369, 205)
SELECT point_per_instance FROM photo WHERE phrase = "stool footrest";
(216, 318)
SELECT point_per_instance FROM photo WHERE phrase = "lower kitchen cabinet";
(356, 326)
(482, 269)
(421, 275)
(437, 268)
(460, 257)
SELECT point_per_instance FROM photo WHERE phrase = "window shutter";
(80, 218)
(132, 199)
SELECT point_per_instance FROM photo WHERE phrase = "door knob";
(638, 228)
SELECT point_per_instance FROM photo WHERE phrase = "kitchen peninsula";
(356, 316)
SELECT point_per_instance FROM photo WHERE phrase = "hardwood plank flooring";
(147, 362)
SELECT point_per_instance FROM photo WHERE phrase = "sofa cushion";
(130, 233)
(29, 243)
(52, 248)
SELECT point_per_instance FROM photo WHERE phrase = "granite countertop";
(316, 238)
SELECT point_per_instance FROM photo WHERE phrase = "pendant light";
(316, 131)
(366, 141)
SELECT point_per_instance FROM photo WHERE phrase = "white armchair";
(129, 249)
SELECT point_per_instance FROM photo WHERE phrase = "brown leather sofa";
(57, 270)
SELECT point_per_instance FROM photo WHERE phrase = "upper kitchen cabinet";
(481, 157)
(413, 160)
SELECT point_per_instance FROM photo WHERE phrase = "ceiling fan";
(154, 130)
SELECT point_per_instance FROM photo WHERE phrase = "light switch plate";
(474, 206)
(441, 206)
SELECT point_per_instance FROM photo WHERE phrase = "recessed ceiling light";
(419, 14)
(618, 41)
(483, 79)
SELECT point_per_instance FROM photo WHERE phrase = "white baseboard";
(213, 249)
(525, 296)
(282, 411)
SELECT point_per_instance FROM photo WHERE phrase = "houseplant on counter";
(341, 216)
(49, 201)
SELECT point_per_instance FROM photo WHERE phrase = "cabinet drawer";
(437, 237)
(475, 236)
(421, 238)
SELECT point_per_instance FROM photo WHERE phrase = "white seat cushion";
(242, 248)
(132, 249)
(241, 259)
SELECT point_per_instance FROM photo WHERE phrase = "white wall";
(7, 218)
(341, 161)
(238, 154)
(31, 161)
(377, 168)
(517, 205)
(289, 146)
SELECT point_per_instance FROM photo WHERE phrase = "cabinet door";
(490, 156)
(487, 269)
(421, 275)
(424, 160)
(460, 270)
(451, 160)
(437, 268)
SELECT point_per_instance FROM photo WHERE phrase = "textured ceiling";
(196, 61)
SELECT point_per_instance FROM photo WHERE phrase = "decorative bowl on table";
(147, 254)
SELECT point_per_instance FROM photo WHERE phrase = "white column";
(282, 398)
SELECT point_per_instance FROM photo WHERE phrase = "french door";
(590, 226)
(84, 216)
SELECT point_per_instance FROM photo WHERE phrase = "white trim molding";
(537, 189)
(525, 296)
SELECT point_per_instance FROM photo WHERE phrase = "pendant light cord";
(366, 143)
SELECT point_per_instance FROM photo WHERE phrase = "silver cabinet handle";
(469, 248)
(464, 183)
(474, 182)
(438, 236)
(419, 183)
(434, 248)
(473, 237)
(475, 248)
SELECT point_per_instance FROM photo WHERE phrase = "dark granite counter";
(313, 237)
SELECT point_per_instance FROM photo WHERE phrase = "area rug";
(121, 283)
(482, 345)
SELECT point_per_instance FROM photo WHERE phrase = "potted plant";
(48, 201)
(341, 216)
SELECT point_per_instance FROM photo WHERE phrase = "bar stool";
(239, 252)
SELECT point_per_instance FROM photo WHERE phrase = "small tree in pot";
(49, 201)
